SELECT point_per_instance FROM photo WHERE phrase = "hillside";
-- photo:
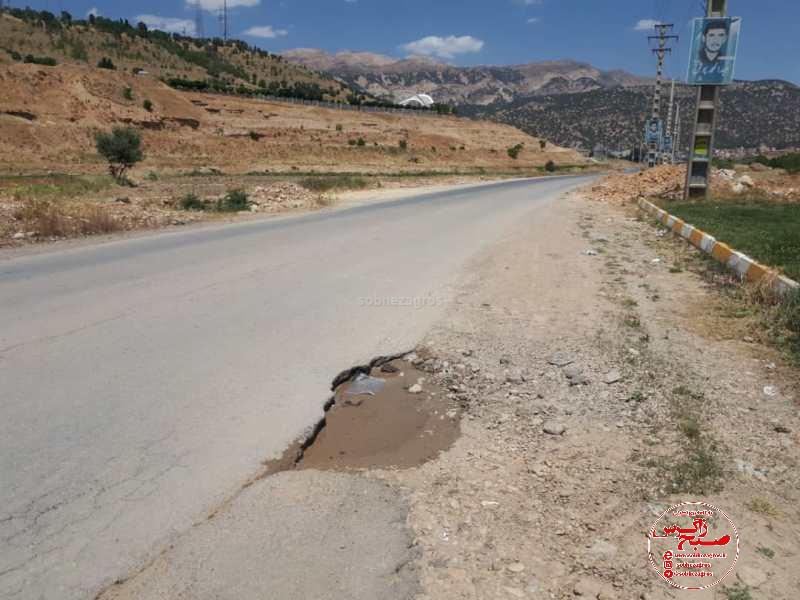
(388, 77)
(752, 113)
(31, 36)
(235, 134)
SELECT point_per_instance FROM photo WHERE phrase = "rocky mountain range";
(752, 114)
(568, 102)
(397, 79)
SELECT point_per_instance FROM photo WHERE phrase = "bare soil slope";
(48, 117)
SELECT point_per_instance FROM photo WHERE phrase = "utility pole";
(668, 155)
(701, 152)
(663, 38)
(676, 138)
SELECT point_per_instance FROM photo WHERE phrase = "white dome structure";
(420, 100)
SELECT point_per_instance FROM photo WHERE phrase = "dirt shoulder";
(551, 489)
(599, 384)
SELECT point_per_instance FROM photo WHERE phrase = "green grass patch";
(737, 592)
(770, 233)
(764, 551)
(325, 183)
(48, 187)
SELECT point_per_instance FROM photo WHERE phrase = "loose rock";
(561, 359)
(553, 428)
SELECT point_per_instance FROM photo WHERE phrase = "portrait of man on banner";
(713, 54)
(653, 131)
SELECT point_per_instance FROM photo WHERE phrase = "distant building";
(419, 100)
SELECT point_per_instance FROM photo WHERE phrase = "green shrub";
(339, 127)
(192, 202)
(121, 148)
(255, 136)
(78, 51)
(152, 176)
(351, 142)
(514, 151)
(147, 105)
(127, 93)
(361, 142)
(233, 201)
(550, 166)
(40, 60)
(106, 63)
(542, 144)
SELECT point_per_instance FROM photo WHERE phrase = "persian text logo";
(693, 545)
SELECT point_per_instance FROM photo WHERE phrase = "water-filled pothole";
(387, 426)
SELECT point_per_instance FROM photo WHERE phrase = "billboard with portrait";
(653, 130)
(713, 54)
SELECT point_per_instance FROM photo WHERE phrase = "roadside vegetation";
(769, 232)
(53, 219)
(232, 201)
(326, 183)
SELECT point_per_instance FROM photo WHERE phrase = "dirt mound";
(667, 182)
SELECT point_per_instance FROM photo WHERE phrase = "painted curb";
(744, 266)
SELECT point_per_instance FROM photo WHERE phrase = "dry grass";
(62, 219)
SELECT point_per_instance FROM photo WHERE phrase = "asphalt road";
(142, 381)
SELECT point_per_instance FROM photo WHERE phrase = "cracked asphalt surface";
(145, 381)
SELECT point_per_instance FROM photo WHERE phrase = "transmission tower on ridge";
(199, 30)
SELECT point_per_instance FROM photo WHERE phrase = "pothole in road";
(387, 414)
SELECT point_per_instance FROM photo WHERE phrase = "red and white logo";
(693, 546)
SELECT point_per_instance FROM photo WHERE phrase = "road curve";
(144, 380)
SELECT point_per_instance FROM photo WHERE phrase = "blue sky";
(469, 32)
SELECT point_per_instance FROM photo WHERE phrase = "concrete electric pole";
(701, 152)
(676, 138)
(663, 38)
(668, 154)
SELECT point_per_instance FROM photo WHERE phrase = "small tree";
(543, 144)
(403, 144)
(106, 63)
(550, 166)
(127, 93)
(147, 105)
(514, 151)
(121, 148)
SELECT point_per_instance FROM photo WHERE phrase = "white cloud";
(265, 31)
(444, 47)
(533, 20)
(215, 5)
(93, 12)
(168, 24)
(645, 25)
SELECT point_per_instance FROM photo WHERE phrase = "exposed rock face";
(397, 78)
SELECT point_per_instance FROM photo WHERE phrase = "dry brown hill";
(49, 115)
